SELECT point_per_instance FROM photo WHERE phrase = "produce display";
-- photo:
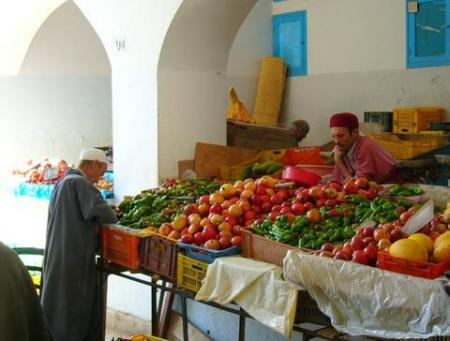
(151, 208)
(354, 221)
(45, 171)
(265, 168)
(399, 190)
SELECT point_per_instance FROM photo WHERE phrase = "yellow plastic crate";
(414, 120)
(408, 149)
(190, 272)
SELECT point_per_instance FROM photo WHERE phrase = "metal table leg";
(184, 316)
(154, 312)
(241, 324)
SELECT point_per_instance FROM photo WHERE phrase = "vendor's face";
(97, 170)
(343, 138)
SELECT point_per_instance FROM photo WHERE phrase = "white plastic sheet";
(255, 286)
(361, 300)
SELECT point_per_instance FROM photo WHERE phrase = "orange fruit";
(445, 235)
(408, 249)
(423, 240)
(441, 253)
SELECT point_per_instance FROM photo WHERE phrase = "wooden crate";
(259, 137)
(414, 120)
(266, 250)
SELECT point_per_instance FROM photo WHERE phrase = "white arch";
(66, 43)
(192, 83)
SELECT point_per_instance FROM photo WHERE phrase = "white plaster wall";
(252, 41)
(194, 111)
(357, 58)
(53, 116)
(142, 25)
(192, 88)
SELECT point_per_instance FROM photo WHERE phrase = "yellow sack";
(236, 109)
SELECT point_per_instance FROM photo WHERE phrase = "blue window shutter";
(289, 41)
(428, 34)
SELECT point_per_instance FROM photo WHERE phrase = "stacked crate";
(409, 121)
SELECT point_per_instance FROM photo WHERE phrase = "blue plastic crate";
(208, 255)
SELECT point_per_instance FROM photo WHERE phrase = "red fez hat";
(344, 119)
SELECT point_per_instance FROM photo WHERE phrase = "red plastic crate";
(120, 247)
(159, 256)
(413, 268)
(302, 156)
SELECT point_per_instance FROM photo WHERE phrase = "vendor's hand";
(338, 154)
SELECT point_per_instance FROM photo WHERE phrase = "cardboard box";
(209, 158)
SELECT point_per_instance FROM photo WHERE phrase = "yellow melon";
(423, 240)
(445, 235)
(441, 253)
(408, 249)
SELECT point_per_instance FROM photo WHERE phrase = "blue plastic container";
(208, 255)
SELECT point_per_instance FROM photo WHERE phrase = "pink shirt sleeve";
(372, 160)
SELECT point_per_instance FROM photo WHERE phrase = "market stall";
(184, 231)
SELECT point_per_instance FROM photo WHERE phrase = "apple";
(368, 231)
(194, 228)
(360, 257)
(216, 208)
(231, 220)
(265, 207)
(203, 209)
(225, 242)
(347, 247)
(371, 253)
(216, 198)
(236, 241)
(273, 215)
(227, 190)
(235, 210)
(179, 222)
(327, 247)
(225, 233)
(380, 233)
(225, 226)
(204, 199)
(215, 219)
(357, 243)
(362, 182)
(174, 234)
(342, 255)
(350, 187)
(250, 215)
(397, 234)
(194, 218)
(246, 194)
(212, 244)
(384, 244)
(297, 208)
(256, 199)
(165, 229)
(198, 237)
(190, 209)
(187, 238)
(209, 232)
(237, 230)
(325, 254)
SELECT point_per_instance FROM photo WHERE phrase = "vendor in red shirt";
(357, 155)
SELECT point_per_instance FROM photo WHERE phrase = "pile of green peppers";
(338, 224)
(405, 191)
(161, 205)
